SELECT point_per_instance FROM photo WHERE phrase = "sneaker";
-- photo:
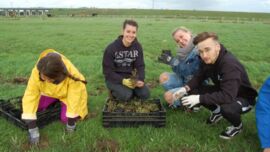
(231, 131)
(214, 118)
(196, 108)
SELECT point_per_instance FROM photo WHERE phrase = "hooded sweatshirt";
(119, 61)
(229, 77)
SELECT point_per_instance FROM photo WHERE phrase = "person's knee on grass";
(164, 77)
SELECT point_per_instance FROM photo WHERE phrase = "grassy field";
(164, 13)
(83, 40)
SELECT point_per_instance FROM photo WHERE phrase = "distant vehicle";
(49, 15)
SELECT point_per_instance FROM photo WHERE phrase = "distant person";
(231, 93)
(263, 115)
(54, 78)
(123, 65)
(184, 65)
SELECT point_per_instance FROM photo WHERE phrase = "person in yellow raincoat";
(54, 78)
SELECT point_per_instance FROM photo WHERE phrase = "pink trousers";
(44, 103)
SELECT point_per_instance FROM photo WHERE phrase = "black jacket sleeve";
(198, 78)
(139, 64)
(230, 81)
(108, 67)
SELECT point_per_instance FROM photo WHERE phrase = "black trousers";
(231, 111)
(123, 93)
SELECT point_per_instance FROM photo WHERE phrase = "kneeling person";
(184, 65)
(121, 58)
(231, 93)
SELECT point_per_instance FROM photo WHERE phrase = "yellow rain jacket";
(72, 93)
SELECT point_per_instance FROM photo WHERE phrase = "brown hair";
(130, 22)
(203, 36)
(53, 67)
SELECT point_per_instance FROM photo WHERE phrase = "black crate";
(133, 119)
(13, 112)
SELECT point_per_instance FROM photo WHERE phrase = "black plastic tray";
(13, 114)
(133, 119)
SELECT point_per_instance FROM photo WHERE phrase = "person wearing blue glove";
(184, 65)
(263, 115)
(231, 93)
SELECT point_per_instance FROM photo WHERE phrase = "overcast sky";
(218, 5)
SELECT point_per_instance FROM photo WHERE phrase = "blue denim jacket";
(185, 69)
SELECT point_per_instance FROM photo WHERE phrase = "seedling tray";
(134, 119)
(11, 110)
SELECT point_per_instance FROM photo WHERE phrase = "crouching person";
(184, 65)
(54, 78)
(231, 93)
(123, 65)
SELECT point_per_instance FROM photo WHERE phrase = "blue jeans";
(172, 85)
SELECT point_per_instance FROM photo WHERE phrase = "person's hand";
(139, 83)
(33, 136)
(165, 57)
(70, 129)
(179, 93)
(129, 83)
(191, 100)
(266, 150)
(175, 104)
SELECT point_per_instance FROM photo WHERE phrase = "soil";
(152, 84)
(17, 80)
(20, 80)
(43, 144)
(92, 115)
(104, 145)
(186, 150)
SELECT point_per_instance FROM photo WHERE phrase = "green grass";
(83, 40)
(165, 13)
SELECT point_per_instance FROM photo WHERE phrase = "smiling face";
(182, 38)
(209, 50)
(129, 34)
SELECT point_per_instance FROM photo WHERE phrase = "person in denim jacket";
(184, 65)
